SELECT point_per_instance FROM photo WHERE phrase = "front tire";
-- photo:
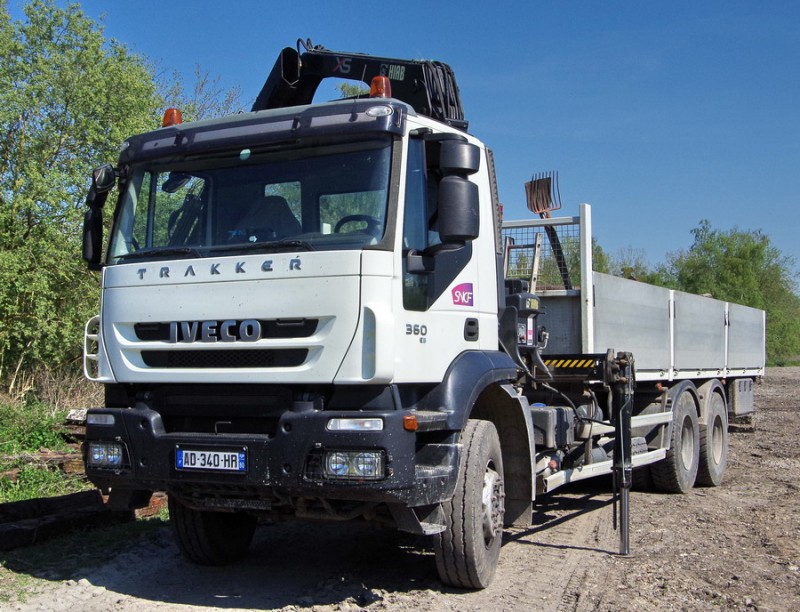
(467, 552)
(206, 537)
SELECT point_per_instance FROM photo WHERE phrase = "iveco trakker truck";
(315, 311)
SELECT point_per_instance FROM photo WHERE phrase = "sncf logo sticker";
(463, 295)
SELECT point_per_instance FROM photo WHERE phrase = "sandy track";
(735, 547)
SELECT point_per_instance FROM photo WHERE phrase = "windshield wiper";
(161, 252)
(285, 244)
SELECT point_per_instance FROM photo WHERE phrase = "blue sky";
(659, 114)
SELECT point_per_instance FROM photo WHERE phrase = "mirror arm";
(419, 263)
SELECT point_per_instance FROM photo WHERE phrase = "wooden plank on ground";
(25, 522)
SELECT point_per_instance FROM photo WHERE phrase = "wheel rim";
(718, 430)
(717, 440)
(687, 443)
(492, 502)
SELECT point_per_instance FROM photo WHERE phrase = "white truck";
(314, 311)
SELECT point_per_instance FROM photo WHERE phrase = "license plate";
(207, 459)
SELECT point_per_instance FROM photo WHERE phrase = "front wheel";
(206, 537)
(467, 552)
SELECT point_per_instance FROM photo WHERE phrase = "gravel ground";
(734, 547)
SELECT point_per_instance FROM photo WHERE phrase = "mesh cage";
(553, 270)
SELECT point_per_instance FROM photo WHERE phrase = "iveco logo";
(248, 330)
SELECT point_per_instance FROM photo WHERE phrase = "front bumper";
(284, 464)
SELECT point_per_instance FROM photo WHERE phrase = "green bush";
(30, 426)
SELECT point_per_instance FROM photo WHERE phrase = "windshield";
(317, 196)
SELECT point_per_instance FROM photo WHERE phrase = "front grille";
(266, 358)
(274, 328)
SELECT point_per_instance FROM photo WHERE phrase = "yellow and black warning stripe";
(570, 363)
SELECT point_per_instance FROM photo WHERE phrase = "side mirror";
(459, 157)
(459, 220)
(103, 180)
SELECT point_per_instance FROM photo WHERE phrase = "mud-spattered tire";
(211, 538)
(467, 552)
(714, 443)
(676, 473)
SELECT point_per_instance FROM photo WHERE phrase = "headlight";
(360, 465)
(368, 465)
(105, 455)
(336, 464)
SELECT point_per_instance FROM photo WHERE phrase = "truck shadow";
(293, 564)
(553, 510)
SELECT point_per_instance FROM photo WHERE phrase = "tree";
(352, 89)
(632, 263)
(207, 98)
(743, 267)
(68, 98)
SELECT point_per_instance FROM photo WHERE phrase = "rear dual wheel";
(676, 473)
(467, 552)
(714, 442)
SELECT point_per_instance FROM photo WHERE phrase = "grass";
(26, 428)
(34, 481)
(785, 362)
(29, 426)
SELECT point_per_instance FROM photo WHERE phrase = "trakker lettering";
(216, 269)
(248, 330)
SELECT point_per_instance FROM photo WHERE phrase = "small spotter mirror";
(103, 178)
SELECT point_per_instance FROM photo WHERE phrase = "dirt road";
(735, 547)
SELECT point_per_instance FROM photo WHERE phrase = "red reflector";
(410, 422)
(172, 116)
(380, 87)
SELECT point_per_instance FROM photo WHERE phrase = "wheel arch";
(477, 385)
(686, 385)
(705, 393)
(510, 414)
